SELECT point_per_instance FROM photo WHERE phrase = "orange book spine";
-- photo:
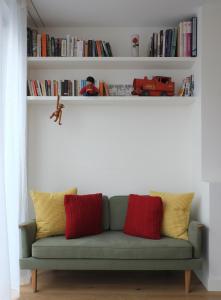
(101, 88)
(43, 44)
(98, 48)
(55, 88)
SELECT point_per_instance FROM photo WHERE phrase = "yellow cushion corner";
(176, 212)
(50, 212)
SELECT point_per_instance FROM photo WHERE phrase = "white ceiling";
(114, 12)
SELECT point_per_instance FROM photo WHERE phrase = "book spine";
(158, 45)
(98, 48)
(174, 46)
(86, 49)
(68, 45)
(75, 87)
(43, 44)
(72, 46)
(59, 87)
(170, 42)
(62, 87)
(161, 43)
(75, 45)
(34, 88)
(155, 44)
(65, 88)
(194, 37)
(46, 87)
(185, 39)
(80, 48)
(106, 89)
(70, 88)
(167, 43)
(101, 89)
(34, 42)
(93, 48)
(28, 42)
(30, 88)
(39, 88)
(49, 87)
(109, 49)
(180, 43)
(188, 37)
(63, 47)
(105, 48)
(48, 45)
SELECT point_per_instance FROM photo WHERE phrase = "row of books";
(41, 44)
(180, 41)
(187, 88)
(62, 87)
(50, 88)
(73, 87)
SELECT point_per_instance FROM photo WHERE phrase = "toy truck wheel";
(163, 93)
(145, 93)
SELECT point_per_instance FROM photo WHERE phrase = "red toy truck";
(157, 86)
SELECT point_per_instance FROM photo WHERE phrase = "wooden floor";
(72, 285)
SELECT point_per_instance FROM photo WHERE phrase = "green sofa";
(112, 249)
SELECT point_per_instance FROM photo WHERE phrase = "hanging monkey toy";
(58, 112)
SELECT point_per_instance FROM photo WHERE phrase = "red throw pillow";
(144, 216)
(83, 215)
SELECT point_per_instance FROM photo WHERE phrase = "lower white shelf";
(111, 100)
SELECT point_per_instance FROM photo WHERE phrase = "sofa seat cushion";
(111, 245)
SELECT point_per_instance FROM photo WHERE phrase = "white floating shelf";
(112, 100)
(173, 63)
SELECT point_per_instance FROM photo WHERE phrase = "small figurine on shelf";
(135, 45)
(90, 88)
(58, 112)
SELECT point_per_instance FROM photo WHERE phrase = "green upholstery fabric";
(28, 230)
(195, 238)
(106, 221)
(28, 233)
(111, 245)
(110, 264)
(118, 211)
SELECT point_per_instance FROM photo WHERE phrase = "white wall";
(114, 149)
(211, 94)
(210, 206)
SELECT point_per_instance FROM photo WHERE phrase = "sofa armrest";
(28, 233)
(195, 237)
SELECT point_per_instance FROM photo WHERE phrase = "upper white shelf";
(111, 100)
(176, 63)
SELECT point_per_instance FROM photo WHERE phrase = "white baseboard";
(25, 277)
(14, 294)
(211, 283)
(203, 277)
(214, 284)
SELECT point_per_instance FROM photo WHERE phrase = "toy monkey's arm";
(58, 100)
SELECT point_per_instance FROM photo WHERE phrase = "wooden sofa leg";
(187, 280)
(34, 280)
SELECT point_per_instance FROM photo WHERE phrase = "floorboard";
(112, 285)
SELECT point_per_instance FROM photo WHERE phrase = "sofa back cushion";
(118, 211)
(106, 213)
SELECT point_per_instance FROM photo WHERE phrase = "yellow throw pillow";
(176, 212)
(50, 212)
